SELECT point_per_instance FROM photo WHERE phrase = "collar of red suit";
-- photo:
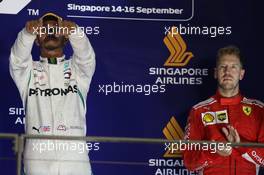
(228, 100)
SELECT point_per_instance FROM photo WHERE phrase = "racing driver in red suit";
(227, 116)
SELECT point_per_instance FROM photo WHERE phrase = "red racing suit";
(205, 122)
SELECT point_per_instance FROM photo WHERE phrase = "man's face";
(50, 41)
(228, 72)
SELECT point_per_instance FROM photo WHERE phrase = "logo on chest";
(247, 110)
(40, 75)
(217, 117)
(54, 91)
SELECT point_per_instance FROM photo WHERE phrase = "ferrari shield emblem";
(247, 110)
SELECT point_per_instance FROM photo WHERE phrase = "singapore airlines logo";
(177, 47)
(173, 131)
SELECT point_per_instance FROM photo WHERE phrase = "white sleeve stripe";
(203, 104)
(253, 101)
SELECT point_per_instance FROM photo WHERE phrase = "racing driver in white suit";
(53, 92)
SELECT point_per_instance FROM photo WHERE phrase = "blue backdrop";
(129, 44)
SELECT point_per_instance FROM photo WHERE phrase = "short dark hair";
(50, 18)
(229, 50)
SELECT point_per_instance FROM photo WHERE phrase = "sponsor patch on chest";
(40, 75)
(216, 117)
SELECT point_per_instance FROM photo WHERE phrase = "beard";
(228, 86)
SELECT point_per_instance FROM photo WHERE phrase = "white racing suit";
(54, 98)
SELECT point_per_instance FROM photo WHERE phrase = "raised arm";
(83, 58)
(21, 58)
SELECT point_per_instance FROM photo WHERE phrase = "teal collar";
(52, 60)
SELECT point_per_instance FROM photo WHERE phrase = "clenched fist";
(34, 26)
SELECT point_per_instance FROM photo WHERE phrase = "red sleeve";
(195, 160)
(256, 155)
